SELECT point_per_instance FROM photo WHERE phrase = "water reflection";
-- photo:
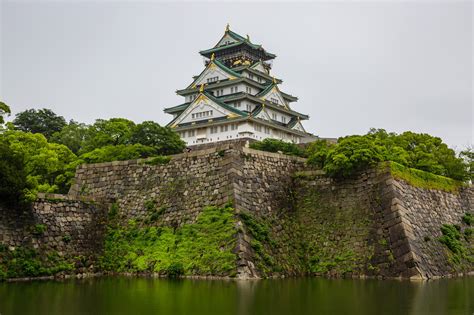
(288, 296)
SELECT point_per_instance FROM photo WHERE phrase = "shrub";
(353, 154)
(273, 145)
(468, 218)
(176, 269)
(452, 239)
(158, 160)
(39, 229)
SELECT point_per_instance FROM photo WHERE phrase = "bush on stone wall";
(353, 154)
(273, 145)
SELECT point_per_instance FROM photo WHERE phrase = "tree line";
(40, 150)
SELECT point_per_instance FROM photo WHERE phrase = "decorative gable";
(214, 72)
(262, 114)
(274, 96)
(259, 67)
(298, 126)
(226, 40)
(203, 108)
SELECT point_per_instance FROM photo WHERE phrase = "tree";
(114, 131)
(46, 165)
(43, 121)
(415, 150)
(72, 136)
(12, 175)
(4, 110)
(164, 140)
(119, 152)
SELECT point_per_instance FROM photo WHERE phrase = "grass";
(201, 248)
(424, 179)
(158, 160)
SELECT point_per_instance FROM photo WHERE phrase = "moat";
(120, 295)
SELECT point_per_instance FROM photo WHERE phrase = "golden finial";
(212, 57)
(263, 105)
(227, 28)
(248, 38)
(274, 80)
(201, 88)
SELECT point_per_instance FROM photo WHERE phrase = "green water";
(289, 296)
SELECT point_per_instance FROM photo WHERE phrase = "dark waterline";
(196, 297)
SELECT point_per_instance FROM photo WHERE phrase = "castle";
(236, 97)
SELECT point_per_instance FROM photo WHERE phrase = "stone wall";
(376, 225)
(421, 213)
(291, 221)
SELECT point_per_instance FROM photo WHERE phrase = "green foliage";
(452, 239)
(468, 218)
(26, 262)
(273, 145)
(353, 154)
(163, 140)
(12, 174)
(201, 248)
(424, 179)
(121, 152)
(317, 153)
(113, 211)
(112, 132)
(39, 229)
(468, 157)
(4, 110)
(72, 136)
(43, 121)
(67, 238)
(41, 166)
(159, 160)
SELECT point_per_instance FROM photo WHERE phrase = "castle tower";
(235, 97)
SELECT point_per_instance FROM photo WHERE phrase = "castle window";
(274, 116)
(257, 128)
(274, 100)
(214, 129)
(267, 130)
(191, 133)
(283, 119)
(249, 107)
(212, 80)
(233, 127)
(224, 128)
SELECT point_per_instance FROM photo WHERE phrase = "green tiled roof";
(221, 66)
(177, 108)
(188, 90)
(240, 40)
(184, 106)
(285, 95)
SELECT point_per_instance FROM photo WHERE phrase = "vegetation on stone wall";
(27, 262)
(423, 179)
(353, 154)
(334, 238)
(40, 151)
(201, 248)
(458, 240)
(273, 145)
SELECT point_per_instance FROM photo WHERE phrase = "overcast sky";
(354, 65)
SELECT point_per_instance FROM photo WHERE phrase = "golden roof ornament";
(227, 28)
(201, 88)
(212, 57)
(248, 38)
(274, 80)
